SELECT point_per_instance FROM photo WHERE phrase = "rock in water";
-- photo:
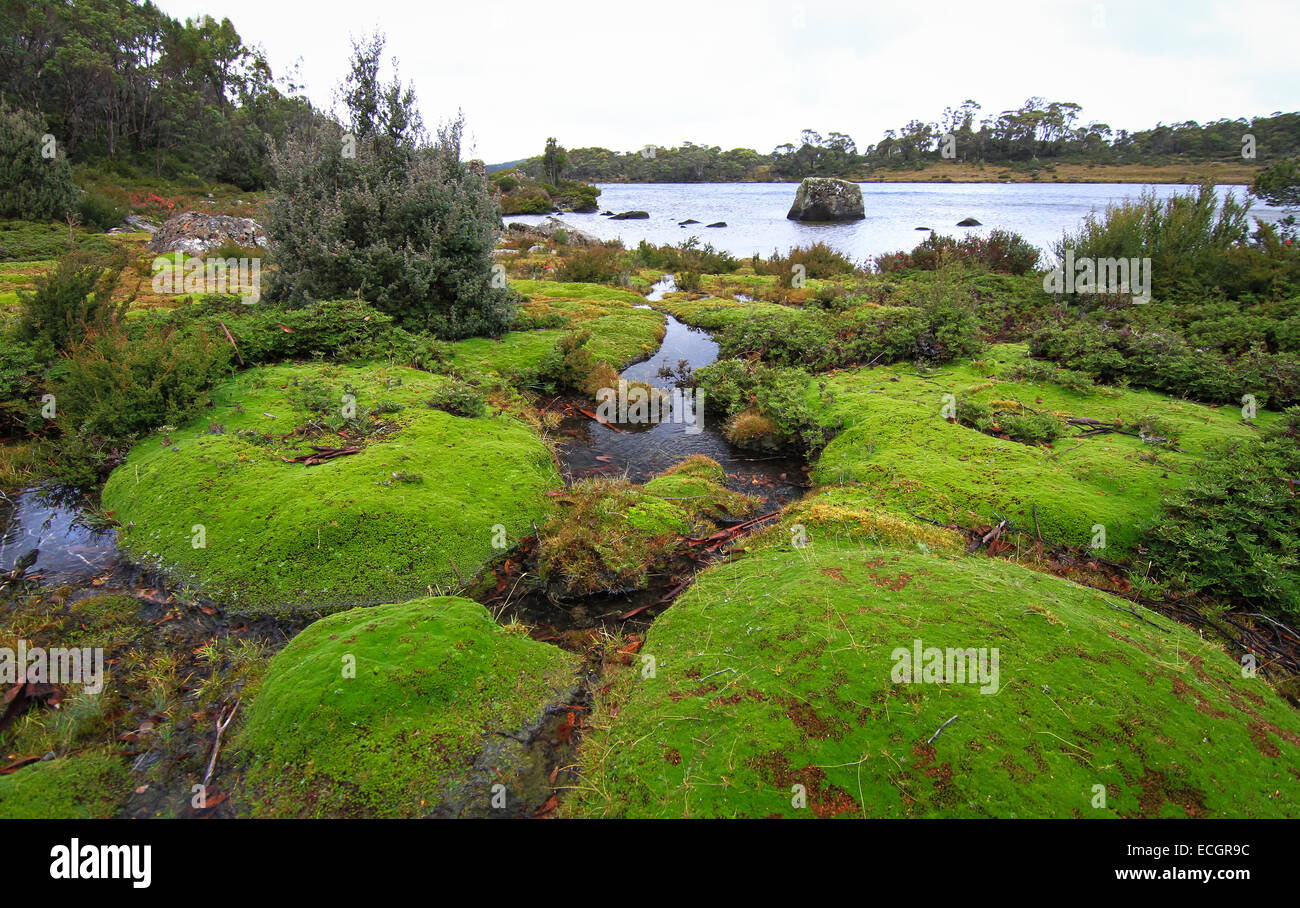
(827, 199)
(969, 222)
(195, 233)
(631, 216)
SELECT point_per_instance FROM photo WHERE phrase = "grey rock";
(827, 199)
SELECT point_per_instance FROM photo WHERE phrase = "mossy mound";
(778, 671)
(899, 447)
(621, 333)
(609, 535)
(88, 786)
(428, 490)
(439, 710)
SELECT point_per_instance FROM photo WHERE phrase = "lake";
(756, 222)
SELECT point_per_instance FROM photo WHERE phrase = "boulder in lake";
(687, 221)
(827, 199)
(969, 222)
(717, 224)
(631, 216)
(194, 233)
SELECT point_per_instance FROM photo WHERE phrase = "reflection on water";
(67, 549)
(641, 451)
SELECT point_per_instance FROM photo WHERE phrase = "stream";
(639, 452)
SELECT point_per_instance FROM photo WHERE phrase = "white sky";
(753, 73)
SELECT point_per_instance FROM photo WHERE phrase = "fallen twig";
(216, 744)
(941, 728)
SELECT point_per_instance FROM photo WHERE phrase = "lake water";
(756, 221)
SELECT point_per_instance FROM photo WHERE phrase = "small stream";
(639, 452)
(70, 551)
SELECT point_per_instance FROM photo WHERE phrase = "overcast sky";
(753, 73)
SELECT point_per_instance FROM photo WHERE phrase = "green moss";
(283, 536)
(776, 671)
(609, 535)
(435, 681)
(898, 448)
(620, 333)
(89, 786)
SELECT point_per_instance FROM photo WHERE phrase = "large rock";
(194, 233)
(547, 229)
(827, 199)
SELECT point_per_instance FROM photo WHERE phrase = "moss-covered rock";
(898, 447)
(778, 671)
(88, 786)
(608, 535)
(418, 506)
(402, 711)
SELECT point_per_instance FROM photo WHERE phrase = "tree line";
(1037, 133)
(122, 82)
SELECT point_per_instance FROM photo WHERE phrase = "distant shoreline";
(1218, 172)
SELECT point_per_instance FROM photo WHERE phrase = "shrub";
(1235, 533)
(688, 255)
(819, 261)
(594, 265)
(74, 298)
(458, 399)
(1002, 251)
(99, 211)
(32, 186)
(779, 395)
(1190, 239)
(405, 224)
(112, 387)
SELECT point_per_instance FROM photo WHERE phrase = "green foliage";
(127, 86)
(405, 224)
(459, 400)
(1193, 242)
(594, 265)
(73, 299)
(732, 386)
(1161, 358)
(100, 211)
(568, 365)
(1279, 184)
(818, 261)
(112, 386)
(1235, 533)
(688, 255)
(1002, 252)
(33, 185)
(1019, 423)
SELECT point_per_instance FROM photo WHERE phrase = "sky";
(753, 74)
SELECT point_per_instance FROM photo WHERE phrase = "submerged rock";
(827, 199)
(405, 710)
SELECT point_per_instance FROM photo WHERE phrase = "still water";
(756, 222)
